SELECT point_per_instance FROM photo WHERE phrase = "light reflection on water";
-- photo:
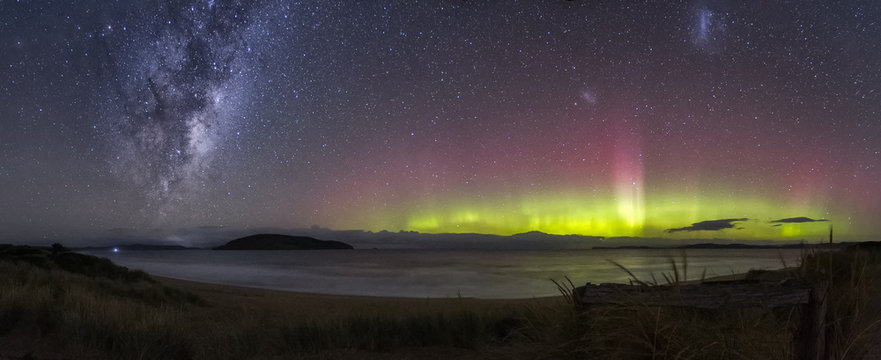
(439, 273)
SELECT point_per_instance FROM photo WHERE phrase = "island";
(282, 242)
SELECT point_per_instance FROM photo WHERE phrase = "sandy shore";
(318, 304)
(224, 296)
(222, 300)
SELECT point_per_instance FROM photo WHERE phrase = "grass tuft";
(86, 307)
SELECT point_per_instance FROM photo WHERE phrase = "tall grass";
(853, 317)
(89, 310)
(638, 330)
(84, 318)
(551, 330)
(95, 316)
(677, 275)
(80, 315)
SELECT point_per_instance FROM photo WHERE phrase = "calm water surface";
(434, 273)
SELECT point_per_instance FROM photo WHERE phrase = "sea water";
(443, 273)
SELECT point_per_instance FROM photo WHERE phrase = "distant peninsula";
(282, 242)
(723, 246)
(134, 247)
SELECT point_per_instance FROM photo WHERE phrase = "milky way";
(183, 78)
(698, 119)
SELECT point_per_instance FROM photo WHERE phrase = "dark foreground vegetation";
(55, 304)
(852, 318)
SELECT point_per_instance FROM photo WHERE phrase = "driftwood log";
(809, 342)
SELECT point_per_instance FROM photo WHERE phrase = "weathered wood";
(703, 296)
(812, 334)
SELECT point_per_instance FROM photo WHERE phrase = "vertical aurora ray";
(595, 118)
(628, 179)
(588, 214)
(617, 193)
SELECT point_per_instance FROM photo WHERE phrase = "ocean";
(441, 273)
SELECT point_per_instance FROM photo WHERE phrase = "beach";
(72, 306)
(444, 273)
(63, 305)
(269, 304)
(222, 298)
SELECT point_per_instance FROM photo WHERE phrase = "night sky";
(703, 119)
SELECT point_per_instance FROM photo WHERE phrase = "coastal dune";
(57, 304)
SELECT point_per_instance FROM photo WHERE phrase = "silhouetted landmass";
(750, 246)
(210, 237)
(135, 247)
(282, 242)
(624, 247)
(868, 246)
(733, 246)
(721, 246)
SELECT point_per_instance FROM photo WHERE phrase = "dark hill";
(282, 242)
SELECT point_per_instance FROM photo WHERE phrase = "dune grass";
(44, 305)
(56, 304)
(640, 331)
(853, 318)
(85, 307)
(86, 317)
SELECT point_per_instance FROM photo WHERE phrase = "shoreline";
(207, 286)
(436, 276)
(100, 310)
(226, 292)
(234, 295)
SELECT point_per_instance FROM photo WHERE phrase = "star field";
(567, 117)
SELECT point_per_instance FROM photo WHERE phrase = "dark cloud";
(709, 225)
(800, 219)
